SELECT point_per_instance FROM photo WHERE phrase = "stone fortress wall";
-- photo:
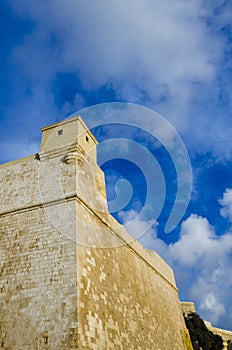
(71, 277)
(189, 307)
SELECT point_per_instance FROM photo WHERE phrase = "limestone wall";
(38, 296)
(71, 277)
(225, 334)
(125, 304)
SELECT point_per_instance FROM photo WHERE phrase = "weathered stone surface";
(71, 277)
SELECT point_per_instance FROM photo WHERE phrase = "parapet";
(161, 266)
(187, 307)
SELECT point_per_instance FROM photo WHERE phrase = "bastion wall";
(71, 277)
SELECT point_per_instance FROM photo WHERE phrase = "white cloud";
(211, 304)
(226, 203)
(202, 264)
(136, 226)
(198, 243)
(136, 45)
(158, 53)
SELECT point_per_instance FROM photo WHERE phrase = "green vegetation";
(200, 335)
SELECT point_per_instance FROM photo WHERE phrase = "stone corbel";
(72, 157)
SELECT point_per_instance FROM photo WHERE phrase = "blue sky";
(173, 57)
